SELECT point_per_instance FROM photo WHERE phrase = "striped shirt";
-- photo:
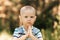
(21, 31)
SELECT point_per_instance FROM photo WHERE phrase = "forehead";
(28, 13)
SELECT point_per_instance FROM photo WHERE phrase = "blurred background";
(48, 18)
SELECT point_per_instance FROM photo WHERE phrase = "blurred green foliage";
(44, 21)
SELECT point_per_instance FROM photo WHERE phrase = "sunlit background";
(48, 20)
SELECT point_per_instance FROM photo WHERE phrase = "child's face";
(28, 18)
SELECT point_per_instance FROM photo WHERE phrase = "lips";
(29, 22)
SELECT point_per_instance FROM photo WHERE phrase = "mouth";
(29, 23)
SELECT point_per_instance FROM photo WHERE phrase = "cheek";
(33, 21)
(24, 20)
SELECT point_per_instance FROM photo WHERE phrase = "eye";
(32, 17)
(26, 16)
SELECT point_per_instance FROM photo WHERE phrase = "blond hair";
(27, 8)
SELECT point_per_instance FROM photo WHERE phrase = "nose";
(29, 19)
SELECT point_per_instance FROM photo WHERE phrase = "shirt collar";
(24, 29)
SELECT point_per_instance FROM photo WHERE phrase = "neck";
(25, 27)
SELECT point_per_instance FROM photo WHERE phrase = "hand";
(30, 31)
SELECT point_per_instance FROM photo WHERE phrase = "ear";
(20, 20)
(19, 16)
(35, 17)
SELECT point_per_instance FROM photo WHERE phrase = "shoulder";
(18, 29)
(18, 32)
(35, 30)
